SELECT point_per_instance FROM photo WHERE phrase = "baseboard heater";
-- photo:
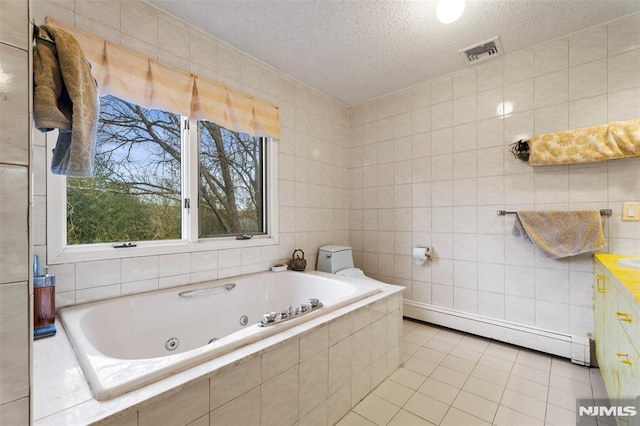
(565, 345)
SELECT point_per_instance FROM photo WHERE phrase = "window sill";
(73, 254)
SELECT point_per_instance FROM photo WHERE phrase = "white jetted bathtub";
(128, 342)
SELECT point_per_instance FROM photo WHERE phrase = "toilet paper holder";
(422, 253)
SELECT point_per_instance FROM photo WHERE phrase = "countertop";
(628, 276)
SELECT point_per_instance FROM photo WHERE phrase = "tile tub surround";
(430, 165)
(315, 372)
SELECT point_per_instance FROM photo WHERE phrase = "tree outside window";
(136, 191)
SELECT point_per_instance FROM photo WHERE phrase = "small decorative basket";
(297, 262)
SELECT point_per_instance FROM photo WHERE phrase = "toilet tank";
(334, 258)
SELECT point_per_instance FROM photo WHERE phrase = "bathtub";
(125, 343)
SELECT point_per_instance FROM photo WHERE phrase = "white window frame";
(59, 252)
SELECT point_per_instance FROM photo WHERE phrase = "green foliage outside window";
(135, 194)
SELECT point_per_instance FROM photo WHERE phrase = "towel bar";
(603, 212)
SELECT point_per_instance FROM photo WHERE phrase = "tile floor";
(456, 379)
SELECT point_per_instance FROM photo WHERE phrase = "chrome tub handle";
(192, 293)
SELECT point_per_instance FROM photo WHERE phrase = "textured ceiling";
(356, 50)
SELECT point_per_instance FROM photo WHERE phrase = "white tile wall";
(16, 412)
(14, 105)
(15, 220)
(466, 173)
(313, 153)
(551, 87)
(14, 338)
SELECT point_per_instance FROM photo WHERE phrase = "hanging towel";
(561, 233)
(587, 145)
(65, 97)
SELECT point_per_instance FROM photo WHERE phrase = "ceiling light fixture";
(449, 11)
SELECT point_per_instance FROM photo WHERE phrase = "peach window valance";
(126, 74)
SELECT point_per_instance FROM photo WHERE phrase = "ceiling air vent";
(482, 51)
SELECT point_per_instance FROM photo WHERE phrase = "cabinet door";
(611, 336)
(628, 370)
(628, 315)
(599, 293)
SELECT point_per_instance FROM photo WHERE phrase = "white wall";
(312, 155)
(15, 330)
(426, 165)
(431, 165)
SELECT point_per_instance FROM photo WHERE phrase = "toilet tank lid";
(334, 249)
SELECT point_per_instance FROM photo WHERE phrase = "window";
(231, 181)
(135, 194)
(158, 183)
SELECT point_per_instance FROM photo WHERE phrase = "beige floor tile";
(353, 419)
(439, 346)
(562, 399)
(496, 362)
(475, 343)
(394, 392)
(571, 371)
(532, 374)
(485, 389)
(505, 416)
(429, 354)
(596, 377)
(503, 351)
(420, 366)
(427, 408)
(407, 326)
(449, 336)
(528, 387)
(534, 360)
(408, 378)
(456, 417)
(449, 376)
(463, 380)
(597, 385)
(525, 404)
(405, 418)
(458, 364)
(490, 375)
(476, 406)
(571, 386)
(466, 353)
(557, 416)
(376, 409)
(408, 347)
(420, 335)
(440, 391)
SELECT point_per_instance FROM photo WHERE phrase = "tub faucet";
(289, 313)
(268, 318)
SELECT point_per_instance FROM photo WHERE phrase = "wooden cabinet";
(617, 335)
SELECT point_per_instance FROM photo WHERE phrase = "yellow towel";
(561, 233)
(587, 145)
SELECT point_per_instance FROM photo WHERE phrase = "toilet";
(338, 260)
